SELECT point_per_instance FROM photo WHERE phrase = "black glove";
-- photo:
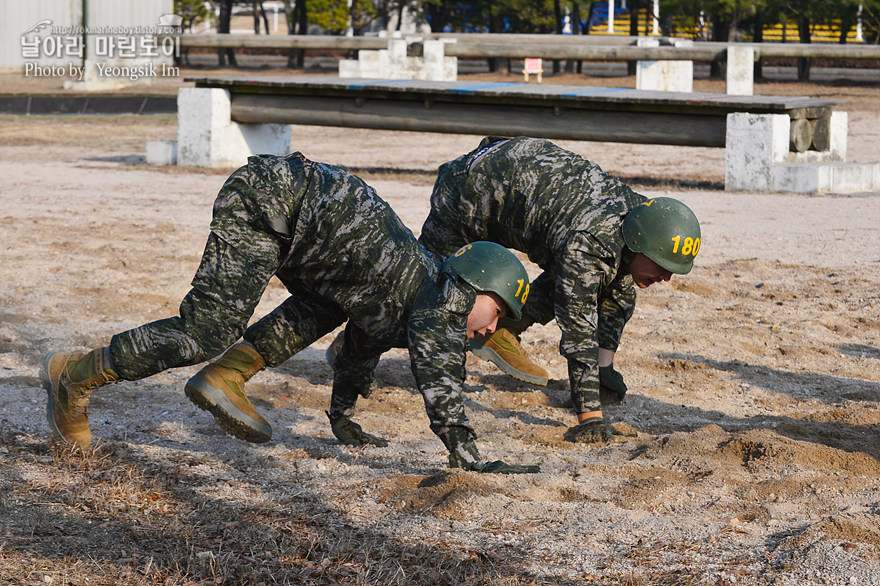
(499, 467)
(592, 430)
(351, 434)
(611, 386)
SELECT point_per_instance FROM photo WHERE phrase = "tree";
(223, 28)
(192, 12)
(296, 15)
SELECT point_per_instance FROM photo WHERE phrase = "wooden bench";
(759, 133)
(478, 107)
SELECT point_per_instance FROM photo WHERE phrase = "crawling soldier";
(344, 255)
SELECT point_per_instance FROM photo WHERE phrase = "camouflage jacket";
(435, 331)
(566, 214)
(346, 245)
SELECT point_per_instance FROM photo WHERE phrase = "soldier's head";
(499, 278)
(664, 235)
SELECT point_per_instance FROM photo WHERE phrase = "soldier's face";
(645, 272)
(483, 318)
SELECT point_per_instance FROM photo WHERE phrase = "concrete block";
(394, 63)
(374, 64)
(668, 76)
(397, 53)
(207, 136)
(754, 144)
(799, 178)
(850, 178)
(825, 178)
(433, 51)
(839, 130)
(740, 70)
(349, 68)
(162, 152)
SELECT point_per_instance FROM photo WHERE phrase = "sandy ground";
(750, 454)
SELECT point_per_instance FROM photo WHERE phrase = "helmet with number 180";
(489, 267)
(666, 231)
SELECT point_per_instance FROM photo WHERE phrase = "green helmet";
(489, 267)
(666, 231)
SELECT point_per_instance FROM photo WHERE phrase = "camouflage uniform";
(566, 214)
(342, 253)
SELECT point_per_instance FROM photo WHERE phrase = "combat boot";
(69, 379)
(502, 347)
(218, 388)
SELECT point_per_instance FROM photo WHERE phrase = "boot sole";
(46, 379)
(230, 418)
(493, 357)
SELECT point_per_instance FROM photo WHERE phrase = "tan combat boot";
(69, 379)
(218, 388)
(502, 347)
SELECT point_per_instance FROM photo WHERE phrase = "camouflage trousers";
(231, 278)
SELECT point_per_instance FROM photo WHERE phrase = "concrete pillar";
(753, 145)
(394, 62)
(437, 66)
(667, 76)
(162, 152)
(207, 136)
(740, 70)
(398, 67)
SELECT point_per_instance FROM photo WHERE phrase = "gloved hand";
(611, 386)
(592, 430)
(500, 467)
(351, 434)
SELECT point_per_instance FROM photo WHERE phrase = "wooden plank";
(239, 41)
(478, 50)
(522, 94)
(581, 47)
(507, 109)
(483, 119)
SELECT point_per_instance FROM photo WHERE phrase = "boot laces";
(79, 403)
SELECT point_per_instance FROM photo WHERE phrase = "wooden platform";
(507, 109)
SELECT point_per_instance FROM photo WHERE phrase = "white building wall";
(17, 17)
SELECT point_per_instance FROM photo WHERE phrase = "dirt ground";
(750, 451)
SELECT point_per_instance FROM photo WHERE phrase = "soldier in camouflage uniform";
(343, 254)
(567, 215)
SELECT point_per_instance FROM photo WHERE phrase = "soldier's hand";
(351, 434)
(500, 467)
(593, 430)
(611, 386)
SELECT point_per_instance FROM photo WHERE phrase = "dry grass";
(112, 516)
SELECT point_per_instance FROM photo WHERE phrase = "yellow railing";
(820, 33)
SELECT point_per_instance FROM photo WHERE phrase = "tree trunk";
(557, 18)
(498, 64)
(759, 38)
(400, 6)
(291, 29)
(223, 27)
(803, 64)
(635, 6)
(265, 18)
(721, 34)
(576, 28)
(587, 23)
